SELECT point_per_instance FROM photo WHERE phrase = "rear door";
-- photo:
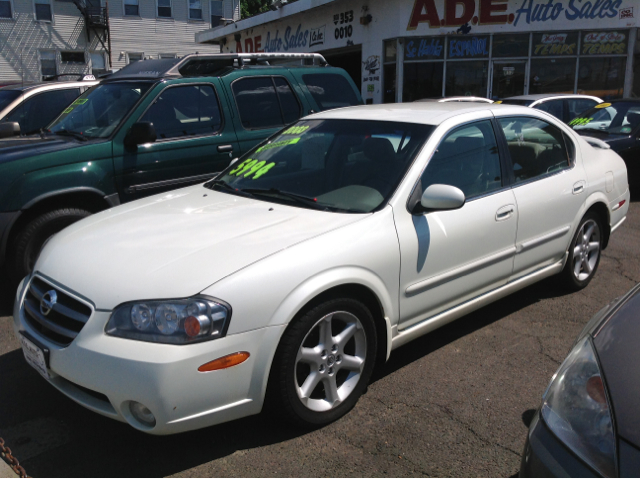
(194, 141)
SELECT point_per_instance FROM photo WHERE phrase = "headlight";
(576, 409)
(179, 321)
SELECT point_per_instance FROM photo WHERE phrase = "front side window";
(553, 107)
(38, 111)
(5, 9)
(164, 8)
(330, 90)
(609, 119)
(536, 148)
(7, 96)
(185, 111)
(195, 10)
(43, 10)
(99, 111)
(131, 8)
(334, 165)
(467, 158)
(265, 102)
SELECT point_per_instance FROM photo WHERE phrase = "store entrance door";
(508, 79)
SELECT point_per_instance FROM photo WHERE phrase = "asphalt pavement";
(453, 403)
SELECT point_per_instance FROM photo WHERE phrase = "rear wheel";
(324, 362)
(584, 253)
(29, 240)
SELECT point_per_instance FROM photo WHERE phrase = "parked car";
(587, 425)
(151, 127)
(290, 274)
(561, 105)
(459, 98)
(617, 123)
(36, 105)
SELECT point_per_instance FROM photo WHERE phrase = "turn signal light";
(225, 362)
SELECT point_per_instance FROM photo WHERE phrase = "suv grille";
(66, 318)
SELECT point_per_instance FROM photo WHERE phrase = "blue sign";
(424, 48)
(468, 47)
(290, 41)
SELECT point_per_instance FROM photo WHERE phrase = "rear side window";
(553, 107)
(265, 102)
(536, 148)
(185, 111)
(40, 110)
(330, 90)
(579, 105)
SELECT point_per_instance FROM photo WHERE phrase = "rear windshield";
(608, 119)
(330, 90)
(6, 97)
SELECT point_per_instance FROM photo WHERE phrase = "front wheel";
(324, 362)
(584, 253)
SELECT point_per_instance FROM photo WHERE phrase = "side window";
(553, 107)
(185, 111)
(467, 158)
(40, 110)
(265, 102)
(536, 147)
(579, 105)
(330, 90)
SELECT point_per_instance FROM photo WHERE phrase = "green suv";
(151, 127)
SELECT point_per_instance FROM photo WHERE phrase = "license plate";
(34, 355)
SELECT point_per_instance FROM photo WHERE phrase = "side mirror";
(442, 197)
(141, 133)
(9, 129)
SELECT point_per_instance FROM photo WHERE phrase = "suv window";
(185, 111)
(553, 107)
(536, 147)
(265, 102)
(330, 90)
(467, 158)
(39, 110)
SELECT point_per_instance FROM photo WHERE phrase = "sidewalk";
(5, 470)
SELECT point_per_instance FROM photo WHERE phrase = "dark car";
(589, 421)
(618, 124)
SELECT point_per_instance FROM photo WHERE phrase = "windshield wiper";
(301, 199)
(213, 184)
(75, 134)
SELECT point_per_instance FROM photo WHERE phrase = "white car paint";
(269, 260)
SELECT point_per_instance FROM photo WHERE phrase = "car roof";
(478, 99)
(48, 85)
(542, 96)
(428, 113)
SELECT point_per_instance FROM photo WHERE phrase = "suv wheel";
(30, 239)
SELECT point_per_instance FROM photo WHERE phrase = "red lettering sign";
(424, 11)
(468, 9)
(489, 7)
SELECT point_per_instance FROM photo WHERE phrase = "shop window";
(556, 75)
(131, 8)
(5, 9)
(265, 102)
(389, 71)
(43, 10)
(390, 53)
(195, 10)
(164, 8)
(602, 77)
(216, 12)
(40, 110)
(536, 148)
(48, 66)
(422, 80)
(72, 57)
(467, 78)
(330, 90)
(467, 46)
(554, 44)
(185, 111)
(510, 46)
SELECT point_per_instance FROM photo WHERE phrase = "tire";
(30, 239)
(584, 253)
(339, 367)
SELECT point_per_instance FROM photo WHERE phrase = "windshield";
(620, 118)
(333, 165)
(7, 96)
(515, 102)
(99, 111)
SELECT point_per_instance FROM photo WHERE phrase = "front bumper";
(105, 373)
(546, 456)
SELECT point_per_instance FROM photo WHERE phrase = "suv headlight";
(575, 407)
(178, 321)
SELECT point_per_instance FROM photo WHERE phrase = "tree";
(249, 8)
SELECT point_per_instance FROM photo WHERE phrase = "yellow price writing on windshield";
(296, 130)
(252, 167)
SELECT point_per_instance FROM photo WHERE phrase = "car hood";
(616, 343)
(26, 146)
(174, 245)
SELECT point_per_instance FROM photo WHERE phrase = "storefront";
(411, 49)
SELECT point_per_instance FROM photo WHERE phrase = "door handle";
(505, 212)
(578, 187)
(225, 148)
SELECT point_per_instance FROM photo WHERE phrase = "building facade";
(410, 49)
(43, 38)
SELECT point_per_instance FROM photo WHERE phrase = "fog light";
(142, 414)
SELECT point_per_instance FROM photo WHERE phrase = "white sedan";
(311, 258)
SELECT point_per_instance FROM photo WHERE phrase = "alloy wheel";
(586, 250)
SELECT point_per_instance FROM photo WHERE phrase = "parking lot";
(452, 403)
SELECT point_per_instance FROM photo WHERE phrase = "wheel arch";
(597, 203)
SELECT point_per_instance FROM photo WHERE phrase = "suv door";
(37, 111)
(449, 257)
(264, 104)
(193, 142)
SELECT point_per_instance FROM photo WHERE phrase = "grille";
(65, 320)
